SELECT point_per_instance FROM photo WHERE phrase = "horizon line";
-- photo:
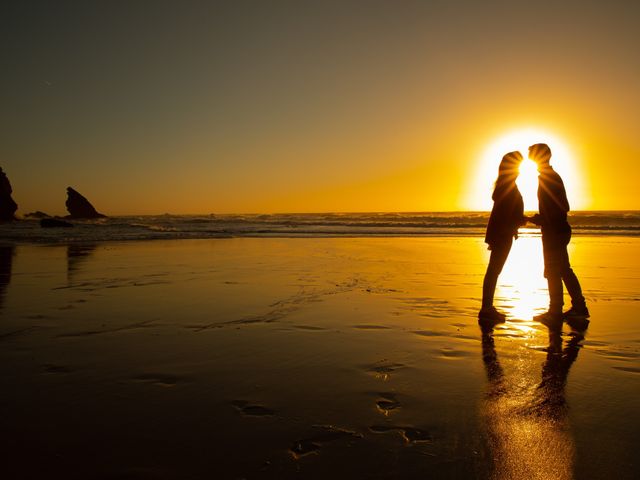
(353, 212)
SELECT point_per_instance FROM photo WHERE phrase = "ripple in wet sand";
(51, 368)
(88, 333)
(371, 327)
(252, 410)
(409, 434)
(628, 369)
(617, 354)
(309, 327)
(159, 379)
(16, 333)
(430, 333)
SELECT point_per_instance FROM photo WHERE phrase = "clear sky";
(269, 106)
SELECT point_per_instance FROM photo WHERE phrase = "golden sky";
(154, 107)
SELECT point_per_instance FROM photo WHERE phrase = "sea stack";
(80, 207)
(7, 206)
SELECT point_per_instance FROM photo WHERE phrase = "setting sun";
(562, 161)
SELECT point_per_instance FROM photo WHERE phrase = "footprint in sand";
(387, 403)
(451, 353)
(328, 433)
(251, 410)
(384, 368)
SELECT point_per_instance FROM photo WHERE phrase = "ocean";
(149, 227)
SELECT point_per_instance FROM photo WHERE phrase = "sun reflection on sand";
(527, 426)
(522, 288)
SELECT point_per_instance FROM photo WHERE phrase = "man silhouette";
(556, 234)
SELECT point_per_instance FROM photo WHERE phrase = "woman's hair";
(510, 164)
(508, 170)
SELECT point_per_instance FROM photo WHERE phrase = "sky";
(150, 107)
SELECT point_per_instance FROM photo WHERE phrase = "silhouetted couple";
(507, 216)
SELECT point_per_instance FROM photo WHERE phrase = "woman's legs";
(499, 254)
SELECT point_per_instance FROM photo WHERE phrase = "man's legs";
(574, 289)
(552, 252)
(569, 277)
(552, 248)
(557, 271)
(556, 300)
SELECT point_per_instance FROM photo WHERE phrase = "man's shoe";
(491, 314)
(550, 319)
(576, 312)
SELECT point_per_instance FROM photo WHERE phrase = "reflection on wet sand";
(274, 358)
(527, 426)
(6, 262)
(77, 254)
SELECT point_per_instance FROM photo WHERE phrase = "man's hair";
(540, 153)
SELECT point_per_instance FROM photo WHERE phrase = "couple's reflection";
(527, 427)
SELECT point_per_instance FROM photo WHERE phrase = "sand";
(313, 358)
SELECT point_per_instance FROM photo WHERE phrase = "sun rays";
(562, 160)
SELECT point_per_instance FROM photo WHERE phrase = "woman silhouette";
(506, 217)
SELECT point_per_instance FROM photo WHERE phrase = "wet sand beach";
(313, 358)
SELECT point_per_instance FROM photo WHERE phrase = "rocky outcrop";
(80, 207)
(54, 223)
(37, 215)
(6, 260)
(7, 206)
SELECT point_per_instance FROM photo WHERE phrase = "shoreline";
(397, 225)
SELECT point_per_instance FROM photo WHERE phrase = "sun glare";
(562, 161)
(528, 183)
(522, 288)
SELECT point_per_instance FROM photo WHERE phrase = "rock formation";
(37, 215)
(7, 206)
(6, 259)
(54, 223)
(80, 207)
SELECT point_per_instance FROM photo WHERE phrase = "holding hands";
(535, 219)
